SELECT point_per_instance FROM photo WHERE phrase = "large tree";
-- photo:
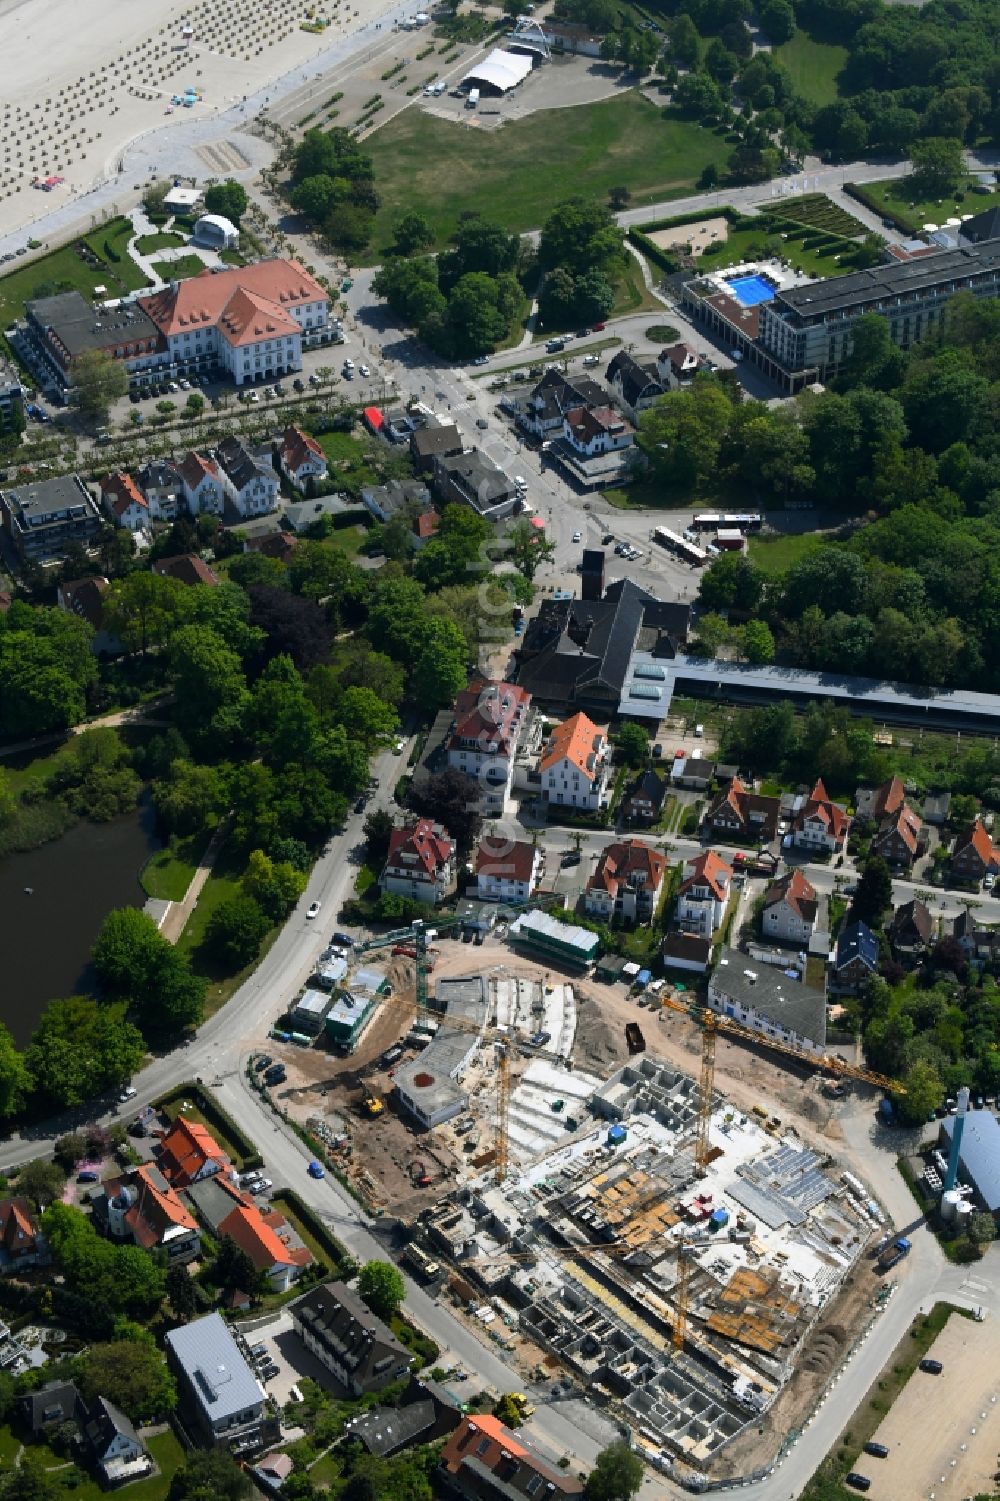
(80, 1049)
(938, 164)
(98, 380)
(616, 1476)
(133, 1375)
(236, 930)
(381, 1286)
(227, 198)
(527, 547)
(210, 1475)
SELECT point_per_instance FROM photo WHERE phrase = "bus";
(689, 551)
(744, 521)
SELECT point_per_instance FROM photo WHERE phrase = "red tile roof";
(708, 869)
(424, 840)
(186, 1149)
(889, 798)
(979, 840)
(121, 491)
(260, 1239)
(624, 859)
(155, 1210)
(468, 1438)
(17, 1227)
(297, 448)
(247, 302)
(505, 860)
(577, 740)
(819, 807)
(426, 524)
(906, 824)
(796, 892)
(487, 714)
(187, 568)
(85, 597)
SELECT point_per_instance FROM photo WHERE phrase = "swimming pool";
(750, 290)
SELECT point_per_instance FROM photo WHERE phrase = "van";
(473, 100)
(858, 1482)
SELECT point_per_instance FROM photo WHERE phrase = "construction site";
(680, 1252)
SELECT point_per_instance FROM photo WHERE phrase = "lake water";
(46, 938)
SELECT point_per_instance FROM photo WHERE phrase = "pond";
(75, 881)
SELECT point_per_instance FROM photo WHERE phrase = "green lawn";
(163, 240)
(325, 1471)
(180, 269)
(348, 539)
(169, 872)
(27, 770)
(9, 1445)
(515, 175)
(164, 1447)
(813, 66)
(222, 883)
(777, 554)
(64, 270)
(750, 242)
(899, 199)
(176, 1108)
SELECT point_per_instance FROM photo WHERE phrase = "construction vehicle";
(893, 1252)
(373, 1106)
(634, 1038)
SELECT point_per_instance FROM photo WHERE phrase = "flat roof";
(772, 994)
(311, 1003)
(79, 326)
(49, 498)
(223, 1383)
(539, 924)
(350, 1010)
(886, 282)
(446, 1055)
(979, 1153)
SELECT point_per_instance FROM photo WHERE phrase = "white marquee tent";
(501, 71)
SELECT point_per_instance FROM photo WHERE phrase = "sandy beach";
(86, 78)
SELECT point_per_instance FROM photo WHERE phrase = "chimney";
(951, 1175)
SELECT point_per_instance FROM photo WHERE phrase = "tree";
(227, 198)
(132, 1374)
(181, 1292)
(210, 1475)
(527, 547)
(80, 1049)
(732, 581)
(509, 1410)
(924, 1092)
(127, 949)
(381, 1286)
(293, 626)
(681, 434)
(938, 164)
(41, 1181)
(98, 380)
(698, 96)
(874, 893)
(209, 686)
(616, 1476)
(378, 828)
(581, 235)
(684, 42)
(632, 744)
(233, 1268)
(413, 232)
(452, 798)
(441, 666)
(778, 20)
(15, 1081)
(618, 198)
(236, 930)
(982, 1229)
(274, 885)
(757, 642)
(143, 609)
(31, 1480)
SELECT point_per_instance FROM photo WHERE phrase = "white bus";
(689, 551)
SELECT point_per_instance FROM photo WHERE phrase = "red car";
(679, 754)
(598, 328)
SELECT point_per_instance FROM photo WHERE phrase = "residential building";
(974, 855)
(11, 399)
(117, 1450)
(124, 501)
(85, 598)
(693, 772)
(62, 328)
(687, 951)
(358, 1350)
(899, 838)
(738, 814)
(873, 804)
(484, 1461)
(301, 457)
(594, 430)
(768, 1001)
(424, 527)
(492, 722)
(910, 931)
(187, 568)
(937, 806)
(202, 484)
(160, 483)
(395, 498)
(348, 1017)
(855, 959)
(703, 895)
(433, 442)
(678, 362)
(573, 766)
(978, 1156)
(252, 321)
(142, 1208)
(507, 870)
(250, 483)
(426, 1412)
(222, 1403)
(52, 1405)
(47, 517)
(474, 480)
(643, 803)
(420, 863)
(820, 825)
(626, 883)
(636, 385)
(542, 413)
(790, 910)
(189, 1152)
(977, 942)
(274, 1469)
(270, 1242)
(21, 1241)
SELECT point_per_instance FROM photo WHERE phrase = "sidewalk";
(175, 921)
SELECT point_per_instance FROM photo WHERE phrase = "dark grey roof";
(982, 227)
(383, 1430)
(912, 920)
(210, 1202)
(79, 326)
(59, 1402)
(876, 289)
(427, 441)
(393, 497)
(857, 941)
(302, 513)
(48, 499)
(556, 394)
(773, 995)
(649, 789)
(979, 1153)
(335, 1313)
(106, 1422)
(477, 476)
(159, 474)
(637, 381)
(240, 465)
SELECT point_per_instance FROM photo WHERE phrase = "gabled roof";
(819, 808)
(488, 713)
(903, 822)
(914, 915)
(248, 296)
(240, 465)
(187, 568)
(577, 740)
(978, 839)
(708, 869)
(186, 1149)
(17, 1226)
(636, 380)
(857, 941)
(253, 1233)
(736, 802)
(505, 860)
(889, 798)
(195, 467)
(106, 1423)
(621, 861)
(121, 491)
(156, 1208)
(649, 789)
(85, 597)
(587, 423)
(428, 842)
(298, 448)
(795, 892)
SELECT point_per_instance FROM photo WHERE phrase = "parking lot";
(275, 1347)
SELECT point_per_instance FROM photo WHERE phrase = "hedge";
(652, 252)
(341, 1260)
(247, 1151)
(695, 216)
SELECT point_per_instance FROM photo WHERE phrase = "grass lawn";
(31, 769)
(163, 240)
(176, 1108)
(348, 539)
(182, 267)
(350, 459)
(813, 66)
(516, 175)
(325, 1471)
(223, 883)
(9, 1445)
(232, 258)
(898, 198)
(64, 270)
(169, 872)
(752, 242)
(777, 554)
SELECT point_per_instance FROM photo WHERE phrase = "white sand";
(699, 236)
(83, 78)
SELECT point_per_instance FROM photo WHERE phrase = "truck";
(472, 102)
(893, 1252)
(634, 1038)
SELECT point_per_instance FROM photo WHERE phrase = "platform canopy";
(501, 70)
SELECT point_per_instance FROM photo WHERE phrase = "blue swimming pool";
(749, 290)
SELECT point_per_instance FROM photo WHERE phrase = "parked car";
(931, 1367)
(261, 1185)
(88, 1176)
(878, 1451)
(858, 1482)
(263, 1062)
(577, 536)
(345, 939)
(128, 1093)
(298, 385)
(364, 371)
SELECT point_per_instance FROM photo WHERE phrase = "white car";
(577, 536)
(364, 370)
(128, 1093)
(260, 1185)
(989, 881)
(254, 396)
(313, 909)
(400, 745)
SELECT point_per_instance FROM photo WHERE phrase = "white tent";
(501, 70)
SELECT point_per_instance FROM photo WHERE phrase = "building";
(899, 838)
(217, 232)
(270, 1242)
(873, 804)
(428, 443)
(44, 519)
(910, 931)
(62, 328)
(937, 806)
(687, 951)
(703, 895)
(202, 484)
(573, 767)
(186, 568)
(85, 598)
(565, 943)
(492, 722)
(301, 457)
(768, 1001)
(21, 1241)
(472, 479)
(52, 1405)
(251, 321)
(358, 1350)
(117, 1450)
(974, 855)
(636, 385)
(543, 412)
(507, 870)
(142, 1208)
(395, 498)
(592, 566)
(791, 907)
(426, 1412)
(743, 816)
(819, 825)
(124, 501)
(484, 1461)
(251, 485)
(855, 959)
(977, 942)
(160, 483)
(549, 35)
(189, 1152)
(11, 399)
(590, 431)
(222, 1403)
(978, 1156)
(309, 1012)
(644, 801)
(678, 362)
(805, 332)
(182, 200)
(626, 883)
(420, 863)
(347, 1019)
(427, 1087)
